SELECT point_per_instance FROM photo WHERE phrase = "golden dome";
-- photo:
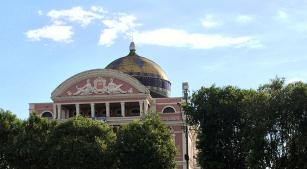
(133, 63)
(146, 71)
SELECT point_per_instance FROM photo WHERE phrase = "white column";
(122, 104)
(145, 106)
(59, 110)
(54, 111)
(92, 110)
(107, 109)
(141, 107)
(77, 109)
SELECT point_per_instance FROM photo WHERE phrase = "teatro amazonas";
(124, 90)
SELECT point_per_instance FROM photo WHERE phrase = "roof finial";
(132, 45)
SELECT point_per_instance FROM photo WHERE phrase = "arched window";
(168, 110)
(47, 115)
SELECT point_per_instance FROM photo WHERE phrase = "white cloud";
(98, 9)
(121, 25)
(208, 22)
(282, 15)
(118, 24)
(76, 14)
(243, 18)
(58, 33)
(292, 20)
(40, 12)
(113, 23)
(60, 30)
(253, 43)
(181, 38)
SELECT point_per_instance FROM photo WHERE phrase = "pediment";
(99, 82)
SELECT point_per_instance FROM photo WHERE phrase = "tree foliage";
(82, 143)
(145, 144)
(264, 128)
(10, 127)
(29, 147)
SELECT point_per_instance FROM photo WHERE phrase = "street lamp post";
(185, 90)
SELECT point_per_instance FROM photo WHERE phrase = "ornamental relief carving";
(99, 86)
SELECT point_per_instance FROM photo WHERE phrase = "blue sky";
(238, 42)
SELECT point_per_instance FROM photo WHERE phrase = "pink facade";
(173, 120)
(116, 98)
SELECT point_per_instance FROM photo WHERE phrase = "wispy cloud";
(58, 33)
(99, 9)
(244, 18)
(282, 15)
(209, 22)
(76, 14)
(292, 20)
(61, 29)
(114, 25)
(62, 23)
(40, 12)
(181, 38)
(123, 24)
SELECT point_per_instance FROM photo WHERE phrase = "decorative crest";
(100, 87)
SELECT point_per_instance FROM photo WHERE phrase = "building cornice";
(102, 98)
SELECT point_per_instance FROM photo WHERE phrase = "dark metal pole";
(186, 131)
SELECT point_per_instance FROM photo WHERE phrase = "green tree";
(264, 128)
(254, 125)
(217, 112)
(82, 143)
(145, 144)
(288, 123)
(10, 127)
(28, 149)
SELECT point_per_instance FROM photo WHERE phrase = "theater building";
(127, 89)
